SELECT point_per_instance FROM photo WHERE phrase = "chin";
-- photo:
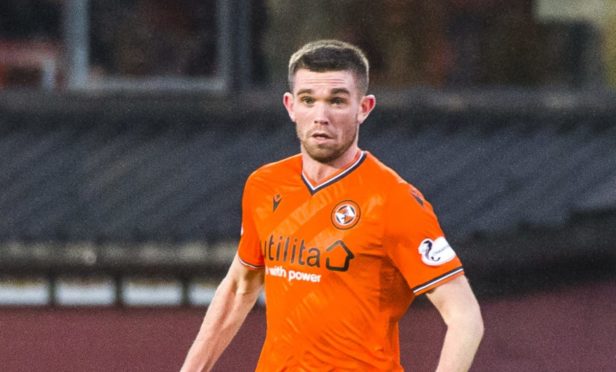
(323, 155)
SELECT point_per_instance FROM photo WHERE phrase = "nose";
(320, 114)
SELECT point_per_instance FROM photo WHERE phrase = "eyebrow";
(333, 91)
(304, 91)
(340, 90)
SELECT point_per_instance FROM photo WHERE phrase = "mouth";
(321, 136)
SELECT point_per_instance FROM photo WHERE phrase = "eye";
(338, 101)
(307, 100)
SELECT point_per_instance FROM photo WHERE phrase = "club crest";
(345, 214)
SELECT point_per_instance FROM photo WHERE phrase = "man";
(342, 243)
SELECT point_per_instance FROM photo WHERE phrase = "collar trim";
(313, 189)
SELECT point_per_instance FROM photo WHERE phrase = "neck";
(318, 171)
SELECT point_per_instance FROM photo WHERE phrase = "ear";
(288, 100)
(366, 105)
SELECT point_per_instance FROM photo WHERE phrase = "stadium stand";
(132, 173)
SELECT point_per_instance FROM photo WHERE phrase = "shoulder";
(398, 189)
(279, 170)
(385, 175)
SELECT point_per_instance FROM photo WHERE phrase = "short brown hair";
(331, 55)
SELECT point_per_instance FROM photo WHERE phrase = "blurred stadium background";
(128, 127)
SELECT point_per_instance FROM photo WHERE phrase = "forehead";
(328, 80)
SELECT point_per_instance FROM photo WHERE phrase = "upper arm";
(455, 300)
(415, 241)
(243, 279)
(249, 248)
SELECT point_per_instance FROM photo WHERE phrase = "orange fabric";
(343, 260)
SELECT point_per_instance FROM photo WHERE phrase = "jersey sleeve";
(415, 241)
(249, 249)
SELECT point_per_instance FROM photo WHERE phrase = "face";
(327, 108)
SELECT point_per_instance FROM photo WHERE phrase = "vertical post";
(119, 289)
(234, 43)
(185, 280)
(224, 42)
(244, 44)
(49, 69)
(76, 39)
(53, 289)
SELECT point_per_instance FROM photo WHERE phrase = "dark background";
(128, 128)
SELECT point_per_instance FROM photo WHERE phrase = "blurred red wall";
(569, 329)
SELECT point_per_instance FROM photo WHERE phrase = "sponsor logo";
(345, 215)
(285, 249)
(275, 201)
(292, 275)
(436, 252)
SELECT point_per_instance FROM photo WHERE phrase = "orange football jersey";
(343, 260)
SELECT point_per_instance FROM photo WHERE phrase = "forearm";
(460, 310)
(223, 319)
(460, 345)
